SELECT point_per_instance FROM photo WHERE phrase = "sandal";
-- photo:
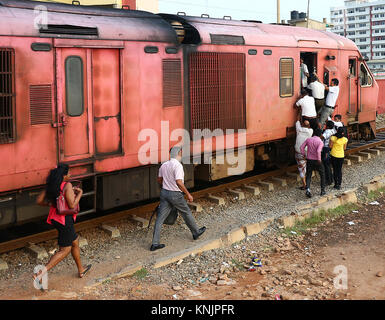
(88, 268)
(38, 281)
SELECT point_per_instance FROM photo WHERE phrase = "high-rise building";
(362, 21)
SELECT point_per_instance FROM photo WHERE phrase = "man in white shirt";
(171, 179)
(338, 122)
(303, 133)
(304, 74)
(307, 105)
(331, 101)
(318, 92)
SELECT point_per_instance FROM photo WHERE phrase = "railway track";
(23, 241)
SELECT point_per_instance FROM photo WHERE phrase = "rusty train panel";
(84, 98)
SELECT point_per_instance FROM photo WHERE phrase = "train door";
(106, 92)
(73, 66)
(353, 86)
(310, 60)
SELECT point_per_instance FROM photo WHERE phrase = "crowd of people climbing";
(321, 140)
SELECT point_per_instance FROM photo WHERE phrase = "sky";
(263, 10)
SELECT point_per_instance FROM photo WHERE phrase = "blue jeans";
(168, 200)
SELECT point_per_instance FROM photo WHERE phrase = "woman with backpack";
(60, 193)
(338, 144)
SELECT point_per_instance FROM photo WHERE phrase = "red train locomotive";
(81, 87)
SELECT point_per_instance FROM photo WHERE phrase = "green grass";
(374, 195)
(322, 216)
(316, 219)
(141, 274)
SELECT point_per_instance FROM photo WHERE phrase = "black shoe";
(200, 232)
(323, 193)
(302, 188)
(155, 247)
(308, 194)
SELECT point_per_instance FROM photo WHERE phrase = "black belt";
(330, 107)
(319, 99)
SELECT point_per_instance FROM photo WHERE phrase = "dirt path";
(294, 267)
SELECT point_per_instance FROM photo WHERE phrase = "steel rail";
(140, 210)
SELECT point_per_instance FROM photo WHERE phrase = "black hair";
(175, 151)
(340, 132)
(313, 78)
(336, 81)
(317, 132)
(54, 181)
(338, 116)
(329, 125)
(304, 92)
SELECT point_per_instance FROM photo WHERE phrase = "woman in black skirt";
(68, 240)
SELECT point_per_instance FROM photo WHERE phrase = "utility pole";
(278, 11)
(308, 12)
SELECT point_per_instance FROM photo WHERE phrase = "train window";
(365, 77)
(151, 49)
(171, 50)
(352, 67)
(253, 52)
(267, 52)
(172, 83)
(286, 77)
(7, 96)
(74, 86)
(37, 46)
(326, 78)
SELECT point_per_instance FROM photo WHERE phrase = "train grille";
(172, 83)
(217, 91)
(40, 98)
(7, 95)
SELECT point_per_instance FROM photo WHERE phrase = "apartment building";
(363, 21)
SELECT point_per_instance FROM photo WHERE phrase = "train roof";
(212, 30)
(18, 18)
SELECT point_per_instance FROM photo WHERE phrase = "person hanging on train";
(307, 105)
(338, 122)
(338, 144)
(303, 132)
(171, 180)
(331, 101)
(57, 185)
(318, 92)
(314, 147)
(304, 74)
(326, 135)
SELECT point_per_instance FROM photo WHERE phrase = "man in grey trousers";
(171, 178)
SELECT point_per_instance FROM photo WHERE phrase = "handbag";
(171, 218)
(62, 206)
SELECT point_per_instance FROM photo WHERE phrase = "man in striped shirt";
(314, 161)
